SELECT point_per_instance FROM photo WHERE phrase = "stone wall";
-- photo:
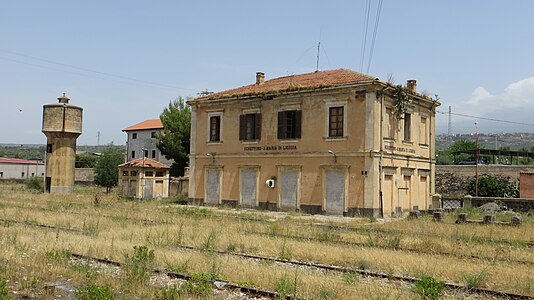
(179, 186)
(84, 175)
(451, 180)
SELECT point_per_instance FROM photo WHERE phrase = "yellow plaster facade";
(343, 151)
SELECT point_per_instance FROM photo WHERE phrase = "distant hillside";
(35, 151)
(516, 141)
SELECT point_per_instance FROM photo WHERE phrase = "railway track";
(217, 284)
(300, 238)
(472, 239)
(325, 267)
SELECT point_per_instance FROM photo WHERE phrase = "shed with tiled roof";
(144, 178)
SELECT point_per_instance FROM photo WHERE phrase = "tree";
(175, 139)
(106, 168)
(489, 186)
(84, 161)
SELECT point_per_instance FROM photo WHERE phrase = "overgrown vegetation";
(35, 184)
(138, 266)
(94, 292)
(175, 139)
(489, 186)
(4, 292)
(106, 168)
(427, 287)
(176, 238)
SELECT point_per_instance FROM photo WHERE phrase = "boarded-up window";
(407, 127)
(389, 124)
(423, 134)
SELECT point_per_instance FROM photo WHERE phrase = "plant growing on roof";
(402, 100)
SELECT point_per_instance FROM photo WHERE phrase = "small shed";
(144, 178)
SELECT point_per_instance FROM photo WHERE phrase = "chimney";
(260, 77)
(411, 85)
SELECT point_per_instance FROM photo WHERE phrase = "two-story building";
(334, 142)
(142, 142)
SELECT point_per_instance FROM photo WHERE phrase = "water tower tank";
(62, 124)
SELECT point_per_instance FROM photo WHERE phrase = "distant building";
(142, 142)
(334, 142)
(144, 178)
(15, 168)
(526, 185)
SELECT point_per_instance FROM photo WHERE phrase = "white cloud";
(519, 94)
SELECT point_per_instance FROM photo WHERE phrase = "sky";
(124, 61)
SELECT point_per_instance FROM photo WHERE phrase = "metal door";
(249, 187)
(289, 184)
(213, 186)
(335, 191)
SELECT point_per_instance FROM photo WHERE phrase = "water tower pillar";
(62, 124)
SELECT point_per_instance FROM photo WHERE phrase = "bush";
(493, 187)
(94, 292)
(35, 184)
(429, 288)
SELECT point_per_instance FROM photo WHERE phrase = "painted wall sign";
(399, 149)
(270, 148)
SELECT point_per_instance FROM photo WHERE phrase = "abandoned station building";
(335, 142)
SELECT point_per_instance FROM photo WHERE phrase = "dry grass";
(111, 227)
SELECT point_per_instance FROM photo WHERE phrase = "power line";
(377, 20)
(365, 27)
(86, 70)
(484, 118)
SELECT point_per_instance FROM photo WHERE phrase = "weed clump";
(138, 266)
(4, 293)
(94, 292)
(427, 287)
(35, 184)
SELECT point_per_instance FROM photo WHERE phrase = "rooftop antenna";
(318, 52)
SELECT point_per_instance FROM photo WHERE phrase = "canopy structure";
(497, 156)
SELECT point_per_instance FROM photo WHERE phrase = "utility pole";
(476, 160)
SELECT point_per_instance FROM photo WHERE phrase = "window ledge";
(289, 140)
(389, 139)
(424, 146)
(249, 142)
(335, 139)
(214, 143)
(407, 142)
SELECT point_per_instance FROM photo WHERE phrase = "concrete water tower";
(62, 124)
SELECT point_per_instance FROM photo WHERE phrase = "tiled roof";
(7, 160)
(144, 163)
(295, 82)
(146, 125)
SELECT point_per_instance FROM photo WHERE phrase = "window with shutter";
(289, 124)
(249, 127)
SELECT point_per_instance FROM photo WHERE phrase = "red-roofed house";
(16, 168)
(144, 178)
(335, 142)
(142, 141)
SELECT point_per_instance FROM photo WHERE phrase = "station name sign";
(399, 149)
(270, 148)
